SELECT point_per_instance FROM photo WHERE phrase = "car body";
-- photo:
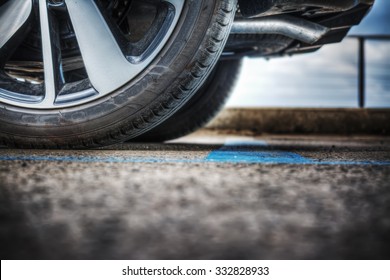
(322, 21)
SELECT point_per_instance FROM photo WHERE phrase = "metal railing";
(362, 63)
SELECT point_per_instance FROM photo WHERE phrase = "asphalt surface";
(203, 197)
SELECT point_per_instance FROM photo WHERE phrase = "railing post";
(362, 72)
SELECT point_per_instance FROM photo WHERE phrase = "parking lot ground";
(207, 196)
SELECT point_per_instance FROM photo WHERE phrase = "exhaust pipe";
(289, 26)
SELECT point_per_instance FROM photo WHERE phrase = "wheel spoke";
(13, 16)
(106, 65)
(51, 55)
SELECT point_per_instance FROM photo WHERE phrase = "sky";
(326, 78)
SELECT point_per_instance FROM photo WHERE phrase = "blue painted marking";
(97, 159)
(275, 157)
(234, 152)
(270, 157)
(247, 152)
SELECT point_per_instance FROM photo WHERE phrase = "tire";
(202, 107)
(166, 83)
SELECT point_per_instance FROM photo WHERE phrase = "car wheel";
(202, 107)
(83, 74)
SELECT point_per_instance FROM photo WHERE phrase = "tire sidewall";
(201, 108)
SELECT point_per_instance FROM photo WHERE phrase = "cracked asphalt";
(208, 196)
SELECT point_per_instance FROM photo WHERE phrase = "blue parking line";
(233, 152)
(225, 157)
(233, 155)
(278, 157)
(264, 158)
(254, 152)
(98, 159)
(249, 152)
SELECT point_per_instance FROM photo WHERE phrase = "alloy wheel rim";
(109, 54)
